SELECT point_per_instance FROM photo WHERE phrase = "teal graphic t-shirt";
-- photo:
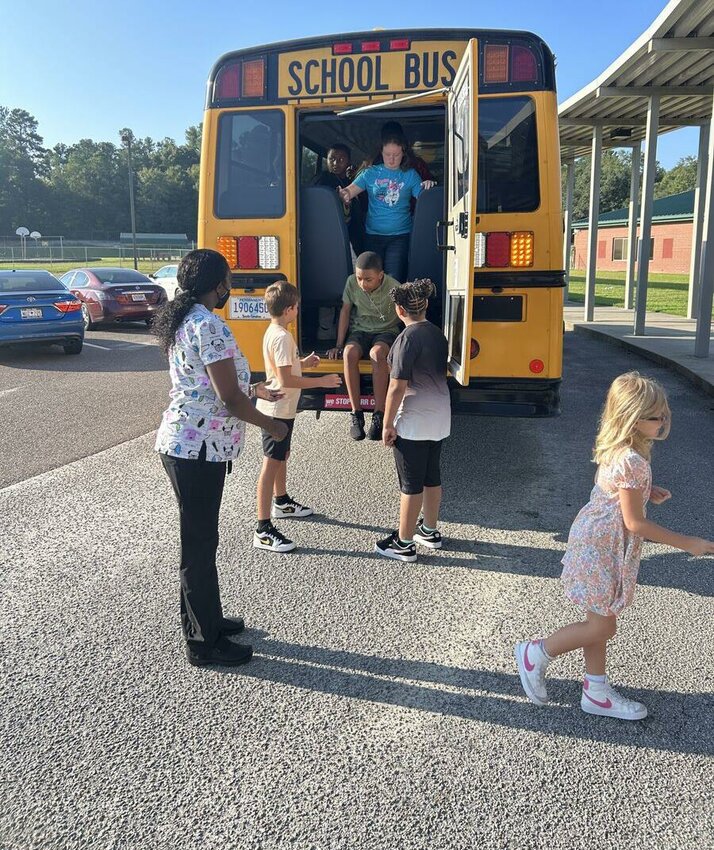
(389, 192)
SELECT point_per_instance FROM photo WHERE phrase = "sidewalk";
(668, 340)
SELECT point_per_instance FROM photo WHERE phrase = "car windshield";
(120, 276)
(30, 282)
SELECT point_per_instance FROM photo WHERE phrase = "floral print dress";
(602, 557)
(195, 414)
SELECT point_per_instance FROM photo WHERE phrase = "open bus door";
(462, 136)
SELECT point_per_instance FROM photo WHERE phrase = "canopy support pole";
(632, 226)
(706, 269)
(594, 214)
(698, 222)
(643, 249)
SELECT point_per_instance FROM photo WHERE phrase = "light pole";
(127, 137)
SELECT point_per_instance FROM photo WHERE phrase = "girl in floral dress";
(603, 553)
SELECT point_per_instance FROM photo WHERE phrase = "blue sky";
(84, 70)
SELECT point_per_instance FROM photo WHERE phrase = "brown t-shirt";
(280, 349)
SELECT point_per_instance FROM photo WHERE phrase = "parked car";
(114, 295)
(36, 307)
(166, 277)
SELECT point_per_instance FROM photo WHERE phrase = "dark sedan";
(114, 295)
(36, 307)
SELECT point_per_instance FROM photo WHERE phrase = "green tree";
(23, 161)
(681, 178)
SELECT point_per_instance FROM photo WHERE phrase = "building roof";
(679, 207)
(673, 58)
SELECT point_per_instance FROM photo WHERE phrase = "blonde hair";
(630, 399)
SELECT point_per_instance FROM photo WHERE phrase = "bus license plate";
(342, 402)
(249, 307)
(31, 313)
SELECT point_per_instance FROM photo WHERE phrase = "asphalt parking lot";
(382, 708)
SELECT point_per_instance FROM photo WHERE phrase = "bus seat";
(325, 256)
(425, 260)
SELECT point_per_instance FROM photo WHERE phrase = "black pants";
(198, 485)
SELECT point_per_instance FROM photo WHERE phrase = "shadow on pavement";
(674, 724)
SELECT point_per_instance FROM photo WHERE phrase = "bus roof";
(432, 33)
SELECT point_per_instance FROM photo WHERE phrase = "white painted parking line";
(11, 390)
(94, 345)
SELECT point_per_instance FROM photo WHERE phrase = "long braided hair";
(199, 272)
(413, 296)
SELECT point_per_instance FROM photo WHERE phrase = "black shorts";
(367, 340)
(271, 447)
(417, 464)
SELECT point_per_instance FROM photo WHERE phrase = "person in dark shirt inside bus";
(339, 175)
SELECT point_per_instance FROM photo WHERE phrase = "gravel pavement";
(382, 709)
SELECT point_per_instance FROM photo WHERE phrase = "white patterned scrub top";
(602, 558)
(195, 414)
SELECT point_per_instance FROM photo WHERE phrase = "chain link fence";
(48, 252)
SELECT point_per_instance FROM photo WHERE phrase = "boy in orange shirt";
(283, 372)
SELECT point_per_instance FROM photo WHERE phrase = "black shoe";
(231, 626)
(271, 540)
(357, 426)
(430, 539)
(392, 547)
(225, 653)
(375, 428)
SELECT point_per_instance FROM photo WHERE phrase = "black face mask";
(223, 300)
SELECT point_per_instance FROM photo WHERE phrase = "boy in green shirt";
(368, 325)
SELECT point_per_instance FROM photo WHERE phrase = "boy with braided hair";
(417, 419)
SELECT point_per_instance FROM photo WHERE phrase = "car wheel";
(73, 346)
(88, 323)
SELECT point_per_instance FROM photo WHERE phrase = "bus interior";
(326, 256)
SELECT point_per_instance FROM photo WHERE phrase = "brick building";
(670, 243)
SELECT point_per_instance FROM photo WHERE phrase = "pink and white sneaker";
(602, 699)
(532, 664)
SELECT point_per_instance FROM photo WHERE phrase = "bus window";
(507, 156)
(310, 165)
(250, 177)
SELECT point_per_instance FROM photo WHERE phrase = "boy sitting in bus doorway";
(368, 325)
(339, 175)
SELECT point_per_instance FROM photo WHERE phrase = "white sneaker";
(602, 699)
(271, 540)
(532, 664)
(290, 510)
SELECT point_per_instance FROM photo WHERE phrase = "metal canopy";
(674, 59)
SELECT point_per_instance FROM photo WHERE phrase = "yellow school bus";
(479, 107)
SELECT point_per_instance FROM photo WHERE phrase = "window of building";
(667, 249)
(601, 249)
(619, 248)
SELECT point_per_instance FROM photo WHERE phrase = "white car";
(166, 277)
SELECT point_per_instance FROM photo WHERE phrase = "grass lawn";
(58, 269)
(666, 293)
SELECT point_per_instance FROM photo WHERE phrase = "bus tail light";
(227, 85)
(371, 47)
(495, 63)
(342, 48)
(536, 366)
(498, 249)
(503, 249)
(400, 44)
(250, 252)
(474, 350)
(522, 249)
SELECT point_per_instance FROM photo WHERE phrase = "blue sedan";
(36, 307)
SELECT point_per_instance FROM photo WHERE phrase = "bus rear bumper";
(529, 397)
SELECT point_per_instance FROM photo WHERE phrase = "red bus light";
(254, 78)
(524, 68)
(495, 63)
(536, 366)
(247, 252)
(498, 249)
(400, 44)
(227, 83)
(474, 349)
(371, 47)
(341, 48)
